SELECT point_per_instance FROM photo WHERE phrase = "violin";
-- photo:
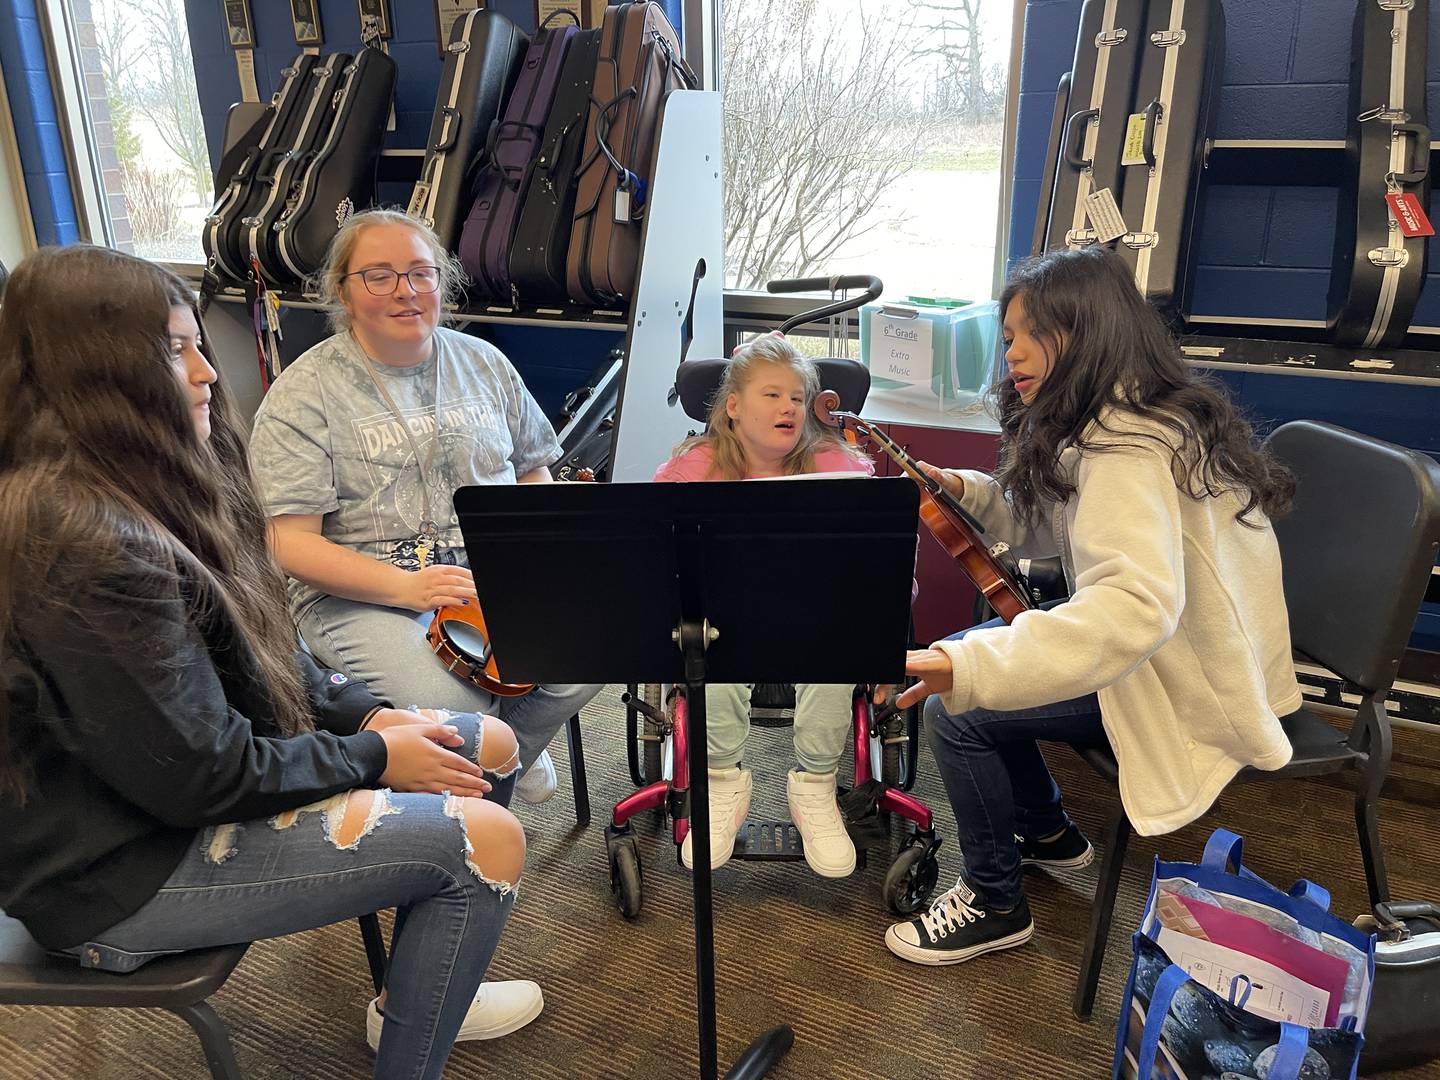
(459, 637)
(991, 567)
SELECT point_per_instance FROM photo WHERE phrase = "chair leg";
(1367, 823)
(577, 772)
(214, 1039)
(375, 951)
(1117, 835)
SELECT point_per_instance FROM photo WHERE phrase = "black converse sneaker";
(1068, 851)
(959, 927)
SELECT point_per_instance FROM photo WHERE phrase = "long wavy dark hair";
(101, 471)
(1110, 350)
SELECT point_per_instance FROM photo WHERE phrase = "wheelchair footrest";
(769, 841)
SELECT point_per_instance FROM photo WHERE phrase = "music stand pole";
(693, 639)
(757, 1060)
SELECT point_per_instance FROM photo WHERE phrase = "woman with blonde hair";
(358, 449)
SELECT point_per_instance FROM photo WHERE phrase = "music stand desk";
(797, 580)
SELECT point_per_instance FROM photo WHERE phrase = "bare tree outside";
(967, 85)
(863, 138)
(811, 138)
(145, 47)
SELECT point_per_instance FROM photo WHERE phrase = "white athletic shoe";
(499, 1008)
(537, 783)
(816, 813)
(729, 806)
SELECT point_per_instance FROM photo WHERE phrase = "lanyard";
(429, 533)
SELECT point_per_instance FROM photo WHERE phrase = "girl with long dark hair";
(1174, 644)
(173, 774)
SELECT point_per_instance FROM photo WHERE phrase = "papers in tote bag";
(1229, 953)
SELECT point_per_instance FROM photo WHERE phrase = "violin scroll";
(826, 402)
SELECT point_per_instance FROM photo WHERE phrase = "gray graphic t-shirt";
(326, 442)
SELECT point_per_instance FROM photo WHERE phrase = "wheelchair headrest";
(696, 381)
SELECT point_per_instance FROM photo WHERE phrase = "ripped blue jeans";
(281, 875)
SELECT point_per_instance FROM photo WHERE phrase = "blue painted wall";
(37, 127)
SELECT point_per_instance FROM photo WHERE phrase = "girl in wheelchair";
(761, 425)
(1174, 645)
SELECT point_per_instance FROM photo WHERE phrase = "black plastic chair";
(1358, 549)
(30, 975)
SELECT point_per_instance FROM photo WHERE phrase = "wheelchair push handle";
(868, 282)
(872, 285)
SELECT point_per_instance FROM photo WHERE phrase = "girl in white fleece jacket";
(1174, 644)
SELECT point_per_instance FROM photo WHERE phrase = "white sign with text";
(901, 348)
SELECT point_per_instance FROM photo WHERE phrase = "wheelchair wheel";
(626, 880)
(651, 745)
(911, 879)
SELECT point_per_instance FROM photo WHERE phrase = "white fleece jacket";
(1176, 619)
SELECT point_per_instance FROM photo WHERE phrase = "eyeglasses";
(382, 281)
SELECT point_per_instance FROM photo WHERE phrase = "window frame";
(76, 131)
(17, 222)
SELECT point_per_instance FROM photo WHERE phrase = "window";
(140, 116)
(864, 138)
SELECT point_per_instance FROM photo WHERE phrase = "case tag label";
(1405, 208)
(1104, 214)
(1134, 152)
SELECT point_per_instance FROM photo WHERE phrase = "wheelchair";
(886, 743)
(886, 747)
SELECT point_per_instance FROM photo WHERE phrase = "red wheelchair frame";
(912, 875)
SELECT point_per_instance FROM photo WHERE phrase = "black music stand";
(801, 580)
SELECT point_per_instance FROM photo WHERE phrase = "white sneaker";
(538, 782)
(813, 807)
(729, 806)
(499, 1008)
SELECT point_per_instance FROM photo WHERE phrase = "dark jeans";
(998, 784)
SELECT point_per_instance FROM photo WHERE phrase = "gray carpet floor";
(792, 949)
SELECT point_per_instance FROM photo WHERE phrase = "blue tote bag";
(1185, 1021)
